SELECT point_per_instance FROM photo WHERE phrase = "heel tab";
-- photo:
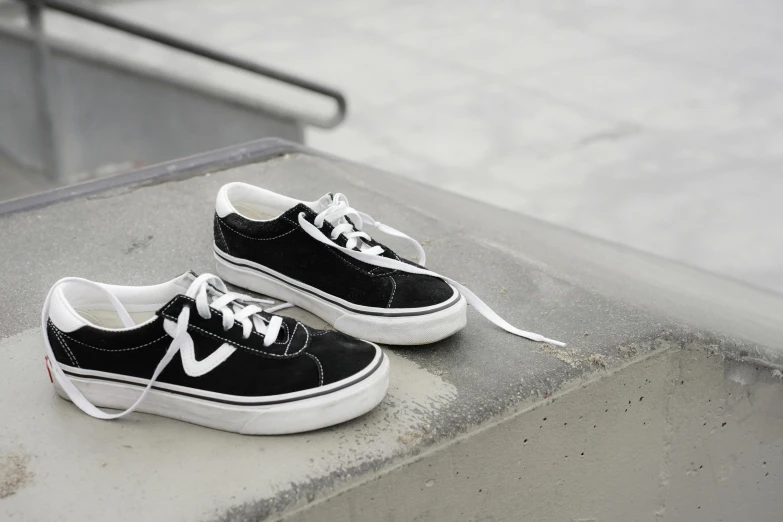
(223, 206)
(60, 312)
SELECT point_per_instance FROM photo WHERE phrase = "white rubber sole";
(409, 327)
(290, 413)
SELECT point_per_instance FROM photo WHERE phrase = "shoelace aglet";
(539, 338)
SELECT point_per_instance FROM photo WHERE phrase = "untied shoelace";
(357, 247)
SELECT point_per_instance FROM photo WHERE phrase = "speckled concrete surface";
(612, 305)
(680, 435)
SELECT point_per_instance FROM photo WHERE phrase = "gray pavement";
(612, 305)
(652, 124)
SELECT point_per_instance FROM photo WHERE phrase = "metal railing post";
(47, 129)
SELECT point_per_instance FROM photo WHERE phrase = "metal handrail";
(103, 18)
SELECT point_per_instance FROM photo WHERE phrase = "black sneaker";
(316, 255)
(191, 350)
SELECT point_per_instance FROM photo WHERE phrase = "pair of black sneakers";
(193, 350)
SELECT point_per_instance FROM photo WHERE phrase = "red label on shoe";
(48, 370)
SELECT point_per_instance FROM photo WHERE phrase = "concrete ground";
(665, 405)
(652, 124)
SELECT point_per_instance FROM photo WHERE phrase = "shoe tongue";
(323, 203)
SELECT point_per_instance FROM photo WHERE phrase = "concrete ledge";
(681, 434)
(197, 164)
(464, 405)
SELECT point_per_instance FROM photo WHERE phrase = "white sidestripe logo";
(187, 353)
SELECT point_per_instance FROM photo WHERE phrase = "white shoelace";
(228, 304)
(339, 209)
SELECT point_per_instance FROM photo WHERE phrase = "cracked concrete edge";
(529, 406)
(735, 370)
(301, 497)
(653, 477)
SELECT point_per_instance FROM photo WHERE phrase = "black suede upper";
(301, 358)
(282, 245)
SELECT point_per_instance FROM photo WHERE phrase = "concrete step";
(665, 405)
